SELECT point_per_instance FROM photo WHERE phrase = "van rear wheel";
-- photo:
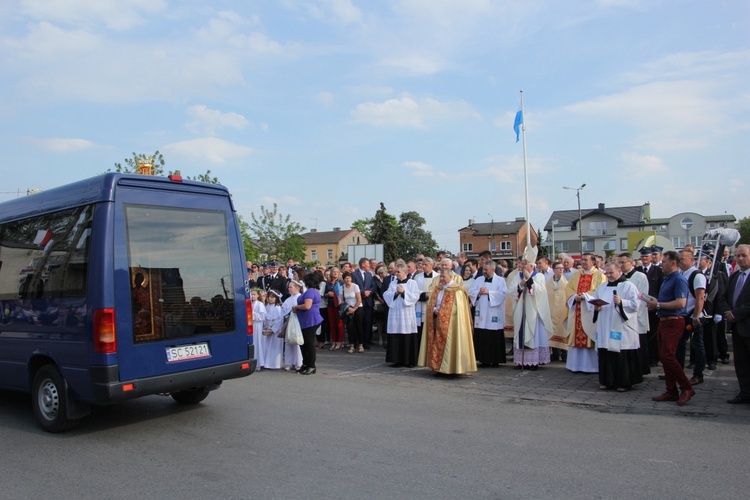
(50, 400)
(191, 396)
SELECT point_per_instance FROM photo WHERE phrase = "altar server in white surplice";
(403, 340)
(617, 331)
(488, 295)
(424, 280)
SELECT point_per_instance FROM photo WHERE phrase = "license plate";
(186, 352)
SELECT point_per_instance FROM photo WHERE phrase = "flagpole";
(525, 173)
(522, 338)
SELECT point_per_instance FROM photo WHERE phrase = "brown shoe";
(667, 396)
(696, 380)
(685, 396)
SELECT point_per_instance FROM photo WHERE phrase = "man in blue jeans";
(670, 307)
(693, 322)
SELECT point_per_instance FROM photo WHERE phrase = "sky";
(329, 107)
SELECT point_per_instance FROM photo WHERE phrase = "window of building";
(588, 246)
(598, 228)
(696, 241)
(712, 225)
(610, 245)
(468, 247)
(313, 255)
(624, 244)
(678, 241)
(493, 246)
(686, 223)
(506, 245)
(561, 246)
(330, 253)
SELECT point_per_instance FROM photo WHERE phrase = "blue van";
(121, 286)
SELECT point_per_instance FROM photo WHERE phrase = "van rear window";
(180, 272)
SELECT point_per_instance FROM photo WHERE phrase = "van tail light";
(105, 338)
(249, 313)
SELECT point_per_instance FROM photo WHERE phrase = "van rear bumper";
(109, 389)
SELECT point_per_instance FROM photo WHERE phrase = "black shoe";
(302, 368)
(725, 360)
(308, 371)
(739, 400)
(712, 366)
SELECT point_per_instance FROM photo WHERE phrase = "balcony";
(602, 232)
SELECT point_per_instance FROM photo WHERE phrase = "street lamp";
(580, 229)
(492, 233)
(554, 223)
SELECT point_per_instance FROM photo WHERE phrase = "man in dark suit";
(367, 287)
(738, 318)
(655, 276)
(275, 281)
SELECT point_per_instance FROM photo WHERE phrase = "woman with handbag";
(332, 296)
(352, 297)
(292, 353)
(308, 314)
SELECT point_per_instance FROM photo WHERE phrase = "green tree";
(252, 252)
(384, 230)
(365, 227)
(131, 164)
(404, 237)
(414, 239)
(277, 235)
(743, 226)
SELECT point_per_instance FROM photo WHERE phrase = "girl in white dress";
(259, 315)
(273, 346)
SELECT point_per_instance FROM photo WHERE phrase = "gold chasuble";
(447, 344)
(581, 326)
(559, 311)
(510, 305)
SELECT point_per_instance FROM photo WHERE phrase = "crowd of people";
(617, 317)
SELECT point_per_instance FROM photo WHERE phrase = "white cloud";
(421, 169)
(291, 200)
(690, 65)
(325, 98)
(408, 112)
(668, 115)
(208, 149)
(415, 64)
(229, 29)
(331, 11)
(63, 64)
(63, 145)
(208, 121)
(640, 163)
(115, 14)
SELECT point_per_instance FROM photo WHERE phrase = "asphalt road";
(359, 429)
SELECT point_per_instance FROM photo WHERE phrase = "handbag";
(294, 331)
(267, 332)
(343, 308)
(615, 341)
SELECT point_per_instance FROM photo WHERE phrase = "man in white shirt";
(693, 321)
